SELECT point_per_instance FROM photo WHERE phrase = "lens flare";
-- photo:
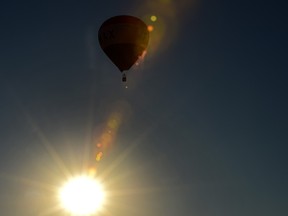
(153, 18)
(150, 28)
(104, 140)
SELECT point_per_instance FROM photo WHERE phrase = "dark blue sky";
(206, 113)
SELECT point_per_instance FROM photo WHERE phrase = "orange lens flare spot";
(99, 145)
(150, 28)
(153, 18)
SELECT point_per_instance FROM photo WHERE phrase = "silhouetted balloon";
(123, 38)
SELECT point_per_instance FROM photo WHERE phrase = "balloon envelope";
(124, 39)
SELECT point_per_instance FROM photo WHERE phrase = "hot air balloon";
(123, 39)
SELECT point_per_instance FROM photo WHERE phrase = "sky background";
(204, 118)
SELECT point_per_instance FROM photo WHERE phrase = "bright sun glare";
(82, 195)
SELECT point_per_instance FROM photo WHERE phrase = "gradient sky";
(204, 128)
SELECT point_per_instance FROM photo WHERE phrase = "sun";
(82, 195)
